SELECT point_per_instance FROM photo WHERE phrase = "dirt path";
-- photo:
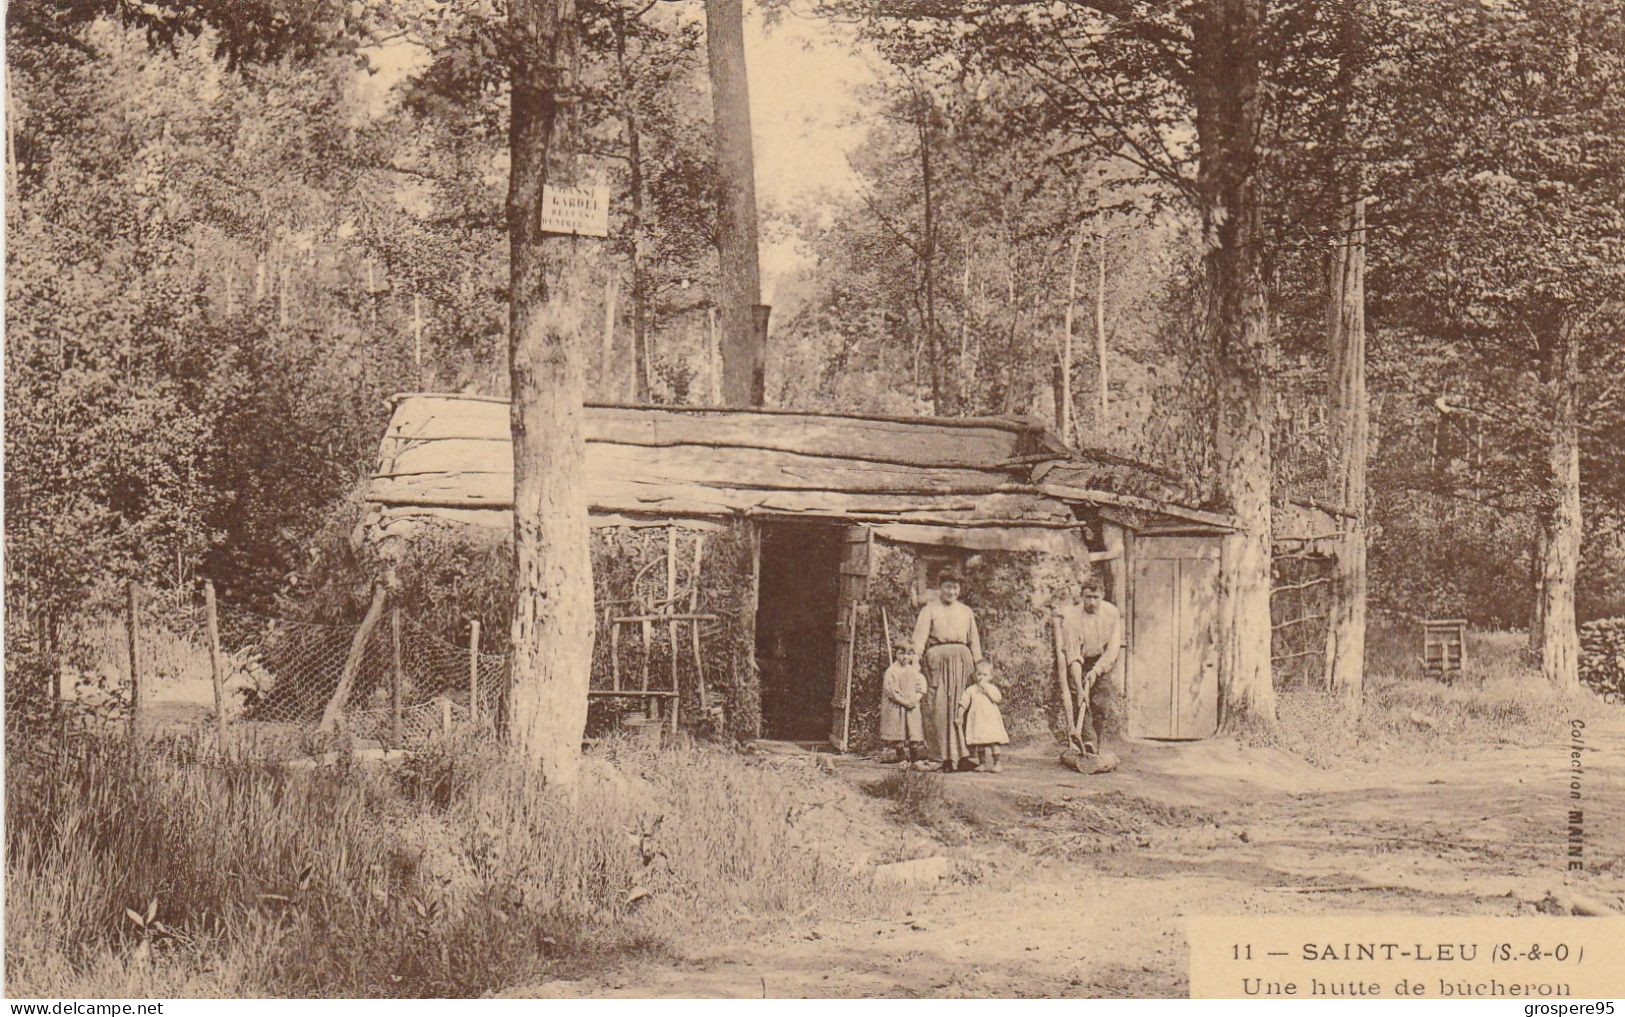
(1078, 886)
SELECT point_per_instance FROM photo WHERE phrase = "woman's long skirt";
(948, 669)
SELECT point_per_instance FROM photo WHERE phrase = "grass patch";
(1498, 700)
(453, 876)
(917, 797)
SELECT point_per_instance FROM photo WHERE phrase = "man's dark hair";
(1092, 583)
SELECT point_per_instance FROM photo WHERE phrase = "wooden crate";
(1444, 648)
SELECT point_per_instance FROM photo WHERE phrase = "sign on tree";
(583, 211)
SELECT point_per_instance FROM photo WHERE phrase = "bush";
(453, 876)
(1602, 655)
(1498, 700)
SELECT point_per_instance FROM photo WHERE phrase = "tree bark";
(553, 625)
(743, 319)
(642, 369)
(1227, 96)
(1350, 428)
(1063, 393)
(964, 318)
(1537, 585)
(1102, 379)
(942, 399)
(1560, 634)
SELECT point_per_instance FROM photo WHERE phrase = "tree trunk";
(1102, 376)
(1537, 585)
(1560, 634)
(964, 318)
(1350, 433)
(642, 369)
(1063, 392)
(553, 625)
(1226, 92)
(942, 402)
(744, 321)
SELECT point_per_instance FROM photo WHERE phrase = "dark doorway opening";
(795, 629)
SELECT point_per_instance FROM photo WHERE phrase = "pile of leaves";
(1602, 655)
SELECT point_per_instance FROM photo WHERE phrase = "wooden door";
(1173, 676)
(854, 583)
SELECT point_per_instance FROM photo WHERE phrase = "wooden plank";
(1154, 648)
(634, 496)
(853, 582)
(742, 466)
(1057, 538)
(1178, 547)
(723, 470)
(917, 440)
(1217, 520)
(1197, 682)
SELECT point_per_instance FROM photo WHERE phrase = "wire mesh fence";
(273, 685)
(277, 686)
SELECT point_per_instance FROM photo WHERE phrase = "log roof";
(449, 456)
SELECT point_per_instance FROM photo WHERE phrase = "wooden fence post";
(396, 682)
(694, 627)
(352, 661)
(216, 670)
(132, 627)
(671, 627)
(474, 670)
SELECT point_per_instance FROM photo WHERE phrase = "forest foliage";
(233, 230)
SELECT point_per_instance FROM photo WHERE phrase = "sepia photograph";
(745, 499)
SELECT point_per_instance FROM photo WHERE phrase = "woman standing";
(945, 638)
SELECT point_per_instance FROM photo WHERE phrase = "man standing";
(1092, 637)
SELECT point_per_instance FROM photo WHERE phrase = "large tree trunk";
(1350, 428)
(1560, 635)
(1226, 91)
(1537, 586)
(552, 634)
(744, 319)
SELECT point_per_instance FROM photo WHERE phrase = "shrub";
(1602, 655)
(454, 876)
(1498, 700)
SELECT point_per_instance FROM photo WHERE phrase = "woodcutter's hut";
(753, 567)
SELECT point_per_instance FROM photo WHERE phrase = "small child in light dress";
(902, 725)
(984, 724)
